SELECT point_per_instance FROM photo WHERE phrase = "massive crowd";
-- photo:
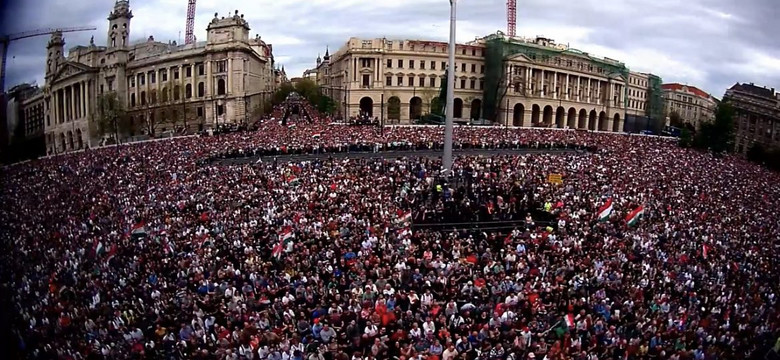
(154, 251)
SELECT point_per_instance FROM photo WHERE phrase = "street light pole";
(447, 157)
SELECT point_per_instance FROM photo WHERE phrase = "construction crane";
(5, 40)
(511, 17)
(189, 34)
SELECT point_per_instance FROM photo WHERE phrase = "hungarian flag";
(704, 250)
(138, 230)
(605, 210)
(168, 247)
(316, 136)
(569, 320)
(293, 181)
(634, 216)
(287, 234)
(405, 216)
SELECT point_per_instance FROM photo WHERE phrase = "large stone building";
(22, 131)
(693, 105)
(757, 116)
(508, 80)
(163, 86)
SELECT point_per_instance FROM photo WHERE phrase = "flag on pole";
(98, 248)
(287, 234)
(634, 216)
(605, 210)
(704, 250)
(316, 136)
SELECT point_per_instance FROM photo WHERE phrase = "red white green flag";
(634, 216)
(605, 210)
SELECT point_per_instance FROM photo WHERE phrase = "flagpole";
(450, 111)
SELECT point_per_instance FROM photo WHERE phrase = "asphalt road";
(392, 154)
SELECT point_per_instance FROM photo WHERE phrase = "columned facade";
(550, 96)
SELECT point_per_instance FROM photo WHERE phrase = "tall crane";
(189, 34)
(511, 17)
(5, 40)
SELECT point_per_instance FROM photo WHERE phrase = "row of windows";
(431, 65)
(368, 44)
(220, 66)
(472, 83)
(221, 90)
(636, 93)
(636, 81)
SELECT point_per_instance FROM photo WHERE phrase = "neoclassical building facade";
(162, 86)
(509, 80)
(694, 105)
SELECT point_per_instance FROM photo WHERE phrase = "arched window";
(176, 92)
(143, 97)
(201, 89)
(221, 87)
(165, 94)
(132, 99)
(188, 91)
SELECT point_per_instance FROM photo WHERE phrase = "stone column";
(86, 99)
(555, 85)
(528, 74)
(542, 82)
(71, 108)
(229, 90)
(567, 87)
(578, 89)
(587, 91)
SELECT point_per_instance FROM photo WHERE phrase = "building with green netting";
(536, 82)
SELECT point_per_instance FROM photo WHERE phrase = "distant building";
(22, 133)
(163, 86)
(757, 116)
(310, 74)
(692, 104)
(294, 81)
(508, 80)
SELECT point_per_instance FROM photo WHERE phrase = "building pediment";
(519, 57)
(70, 69)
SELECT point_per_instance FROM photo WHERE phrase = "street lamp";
(447, 157)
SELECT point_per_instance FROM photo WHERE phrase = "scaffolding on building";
(498, 48)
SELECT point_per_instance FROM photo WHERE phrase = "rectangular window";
(164, 75)
(400, 81)
(389, 63)
(462, 83)
(482, 84)
(463, 67)
(422, 64)
(411, 64)
(411, 81)
(366, 80)
(221, 66)
(473, 68)
(422, 82)
(473, 52)
(200, 111)
(482, 69)
(433, 82)
(152, 77)
(188, 71)
(175, 74)
(473, 84)
(433, 65)
(400, 63)
(201, 70)
(389, 81)
(443, 65)
(366, 44)
(131, 80)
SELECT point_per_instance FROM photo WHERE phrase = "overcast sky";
(706, 43)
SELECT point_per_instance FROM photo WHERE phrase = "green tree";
(686, 139)
(281, 94)
(111, 117)
(717, 136)
(308, 89)
(675, 119)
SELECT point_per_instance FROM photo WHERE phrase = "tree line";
(719, 137)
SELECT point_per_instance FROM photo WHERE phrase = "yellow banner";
(555, 179)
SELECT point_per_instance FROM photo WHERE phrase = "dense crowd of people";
(643, 251)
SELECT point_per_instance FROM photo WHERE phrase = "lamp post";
(447, 156)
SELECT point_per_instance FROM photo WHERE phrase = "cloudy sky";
(707, 43)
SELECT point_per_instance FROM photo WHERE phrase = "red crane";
(189, 35)
(4, 40)
(511, 17)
